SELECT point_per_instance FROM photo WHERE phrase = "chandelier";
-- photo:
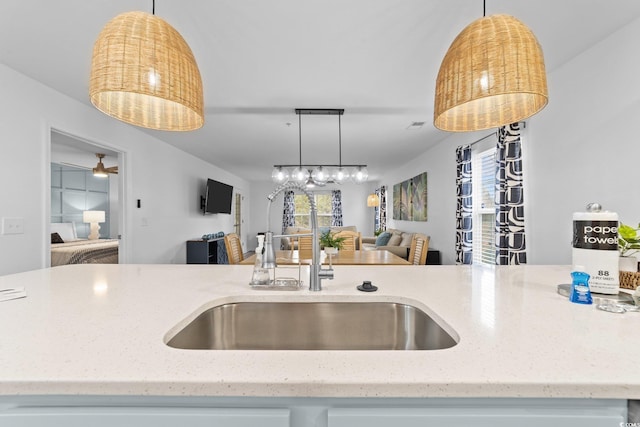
(312, 175)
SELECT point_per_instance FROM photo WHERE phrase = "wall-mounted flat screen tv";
(218, 197)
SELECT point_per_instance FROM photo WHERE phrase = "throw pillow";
(55, 238)
(406, 239)
(383, 239)
(395, 239)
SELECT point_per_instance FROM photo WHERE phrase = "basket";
(629, 279)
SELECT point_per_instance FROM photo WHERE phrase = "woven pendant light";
(493, 74)
(144, 73)
(373, 200)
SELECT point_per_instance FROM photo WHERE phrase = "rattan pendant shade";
(493, 74)
(144, 73)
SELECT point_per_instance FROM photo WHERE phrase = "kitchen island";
(87, 334)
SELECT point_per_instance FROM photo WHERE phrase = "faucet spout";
(269, 258)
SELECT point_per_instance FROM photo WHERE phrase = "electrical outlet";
(12, 225)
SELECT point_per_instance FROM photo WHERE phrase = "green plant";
(628, 239)
(378, 232)
(329, 240)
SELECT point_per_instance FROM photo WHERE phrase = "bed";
(71, 250)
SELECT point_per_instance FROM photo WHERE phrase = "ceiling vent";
(415, 125)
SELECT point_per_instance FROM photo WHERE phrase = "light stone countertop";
(100, 330)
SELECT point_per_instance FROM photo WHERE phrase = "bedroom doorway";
(74, 189)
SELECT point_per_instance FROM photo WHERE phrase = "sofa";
(395, 241)
(285, 242)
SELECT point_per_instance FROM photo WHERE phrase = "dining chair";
(305, 247)
(294, 241)
(352, 242)
(419, 249)
(234, 248)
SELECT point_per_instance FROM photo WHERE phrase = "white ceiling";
(261, 59)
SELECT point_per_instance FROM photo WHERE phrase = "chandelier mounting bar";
(321, 111)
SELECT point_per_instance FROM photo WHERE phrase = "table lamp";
(93, 218)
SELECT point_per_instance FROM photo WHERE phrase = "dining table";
(377, 257)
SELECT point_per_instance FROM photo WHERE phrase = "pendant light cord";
(339, 141)
(484, 8)
(153, 7)
(300, 139)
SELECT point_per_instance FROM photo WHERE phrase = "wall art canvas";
(410, 199)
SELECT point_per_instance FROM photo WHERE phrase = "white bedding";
(103, 251)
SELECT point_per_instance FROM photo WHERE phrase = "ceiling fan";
(100, 170)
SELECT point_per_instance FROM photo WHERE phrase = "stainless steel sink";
(313, 326)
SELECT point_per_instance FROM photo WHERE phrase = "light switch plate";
(12, 225)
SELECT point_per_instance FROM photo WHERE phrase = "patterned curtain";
(510, 236)
(464, 233)
(381, 209)
(288, 211)
(336, 208)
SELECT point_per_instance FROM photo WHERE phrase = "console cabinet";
(206, 251)
(433, 257)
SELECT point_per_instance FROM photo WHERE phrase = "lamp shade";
(144, 73)
(493, 74)
(93, 216)
(373, 200)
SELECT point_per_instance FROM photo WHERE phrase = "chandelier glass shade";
(300, 175)
(492, 75)
(360, 175)
(320, 174)
(144, 73)
(280, 175)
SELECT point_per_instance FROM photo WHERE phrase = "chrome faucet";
(269, 259)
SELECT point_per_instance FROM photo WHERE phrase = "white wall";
(440, 165)
(583, 147)
(354, 208)
(168, 181)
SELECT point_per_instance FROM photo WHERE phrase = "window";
(484, 210)
(323, 206)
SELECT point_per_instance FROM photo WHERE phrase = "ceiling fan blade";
(113, 169)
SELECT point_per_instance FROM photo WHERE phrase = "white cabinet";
(156, 411)
(143, 417)
(524, 415)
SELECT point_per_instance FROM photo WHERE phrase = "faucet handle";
(325, 273)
